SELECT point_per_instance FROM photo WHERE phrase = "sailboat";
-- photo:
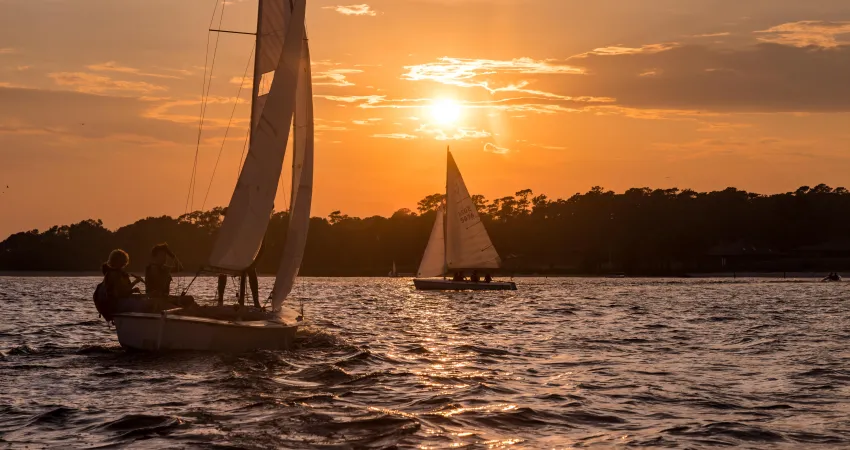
(459, 242)
(283, 56)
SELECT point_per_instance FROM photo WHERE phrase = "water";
(560, 363)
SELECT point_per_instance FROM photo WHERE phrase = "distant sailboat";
(459, 241)
(283, 55)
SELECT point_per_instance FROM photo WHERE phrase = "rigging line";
(204, 103)
(242, 158)
(203, 90)
(229, 123)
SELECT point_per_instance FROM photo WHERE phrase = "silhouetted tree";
(641, 231)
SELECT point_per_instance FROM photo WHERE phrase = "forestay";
(468, 246)
(434, 260)
(250, 208)
(302, 184)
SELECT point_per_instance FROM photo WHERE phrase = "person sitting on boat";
(115, 294)
(475, 278)
(158, 273)
(458, 276)
(487, 278)
(116, 280)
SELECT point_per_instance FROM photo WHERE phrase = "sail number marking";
(466, 214)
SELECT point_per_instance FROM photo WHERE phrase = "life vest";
(101, 301)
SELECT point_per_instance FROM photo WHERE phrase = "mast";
(255, 88)
(445, 218)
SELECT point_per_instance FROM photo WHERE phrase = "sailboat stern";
(164, 332)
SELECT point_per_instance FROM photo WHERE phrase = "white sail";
(468, 246)
(273, 18)
(434, 260)
(302, 181)
(249, 212)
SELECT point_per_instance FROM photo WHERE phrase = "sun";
(445, 111)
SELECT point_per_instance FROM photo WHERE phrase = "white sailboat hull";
(427, 284)
(162, 332)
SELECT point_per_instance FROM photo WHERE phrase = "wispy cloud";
(184, 112)
(618, 50)
(492, 148)
(480, 73)
(371, 121)
(334, 77)
(365, 99)
(807, 33)
(98, 84)
(323, 127)
(7, 51)
(112, 66)
(444, 133)
(711, 35)
(354, 10)
(403, 136)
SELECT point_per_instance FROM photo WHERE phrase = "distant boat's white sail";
(434, 260)
(271, 32)
(468, 246)
(249, 212)
(302, 191)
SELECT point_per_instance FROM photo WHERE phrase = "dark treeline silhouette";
(641, 231)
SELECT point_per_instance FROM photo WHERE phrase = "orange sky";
(99, 100)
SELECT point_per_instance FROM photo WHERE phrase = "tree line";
(639, 231)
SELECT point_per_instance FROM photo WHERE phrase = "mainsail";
(468, 245)
(302, 184)
(434, 260)
(251, 206)
(272, 20)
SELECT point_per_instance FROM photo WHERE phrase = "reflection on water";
(559, 363)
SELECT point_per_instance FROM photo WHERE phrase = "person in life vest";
(158, 272)
(115, 293)
(116, 279)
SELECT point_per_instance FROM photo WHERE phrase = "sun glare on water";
(445, 111)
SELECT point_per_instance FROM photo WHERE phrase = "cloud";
(758, 78)
(112, 66)
(97, 84)
(403, 136)
(364, 99)
(483, 72)
(488, 147)
(323, 127)
(371, 121)
(354, 10)
(7, 51)
(616, 50)
(449, 133)
(807, 33)
(185, 111)
(334, 77)
(711, 35)
(81, 116)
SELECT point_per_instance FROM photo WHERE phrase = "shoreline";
(733, 275)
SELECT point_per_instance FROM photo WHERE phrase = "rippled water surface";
(559, 363)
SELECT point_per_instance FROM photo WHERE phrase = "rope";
(205, 91)
(244, 146)
(192, 282)
(229, 123)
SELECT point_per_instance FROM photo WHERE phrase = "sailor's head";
(159, 253)
(118, 259)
